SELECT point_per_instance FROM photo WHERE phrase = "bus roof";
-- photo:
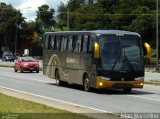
(100, 32)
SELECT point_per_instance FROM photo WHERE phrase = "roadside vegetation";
(13, 107)
(133, 15)
(153, 82)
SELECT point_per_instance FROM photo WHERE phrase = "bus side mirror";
(147, 50)
(96, 50)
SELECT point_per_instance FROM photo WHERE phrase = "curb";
(62, 105)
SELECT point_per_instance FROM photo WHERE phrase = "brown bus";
(101, 59)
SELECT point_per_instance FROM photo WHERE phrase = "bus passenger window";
(58, 41)
(85, 43)
(46, 42)
(70, 41)
(64, 43)
(51, 43)
(77, 44)
(90, 43)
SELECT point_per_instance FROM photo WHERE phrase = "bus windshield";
(121, 53)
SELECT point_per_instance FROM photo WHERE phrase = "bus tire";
(127, 90)
(57, 77)
(86, 84)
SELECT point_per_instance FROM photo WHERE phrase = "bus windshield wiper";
(115, 62)
(126, 61)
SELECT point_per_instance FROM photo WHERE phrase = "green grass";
(10, 66)
(13, 107)
(155, 81)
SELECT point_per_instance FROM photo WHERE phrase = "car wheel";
(37, 71)
(21, 70)
(86, 84)
(15, 70)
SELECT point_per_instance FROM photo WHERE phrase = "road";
(140, 100)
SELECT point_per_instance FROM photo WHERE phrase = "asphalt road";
(140, 100)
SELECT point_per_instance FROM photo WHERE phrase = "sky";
(29, 7)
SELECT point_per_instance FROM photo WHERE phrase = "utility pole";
(15, 50)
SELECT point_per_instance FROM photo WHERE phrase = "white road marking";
(147, 98)
(74, 104)
(26, 78)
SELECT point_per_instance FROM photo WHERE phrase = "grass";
(3, 65)
(155, 81)
(14, 108)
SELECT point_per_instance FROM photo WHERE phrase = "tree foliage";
(45, 21)
(45, 17)
(9, 18)
(132, 15)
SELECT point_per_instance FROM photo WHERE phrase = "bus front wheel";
(86, 84)
(127, 90)
(57, 77)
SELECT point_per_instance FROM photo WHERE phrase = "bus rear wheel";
(57, 77)
(86, 84)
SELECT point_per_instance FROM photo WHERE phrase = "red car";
(26, 64)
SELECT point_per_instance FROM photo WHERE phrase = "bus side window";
(51, 43)
(58, 42)
(46, 42)
(77, 44)
(90, 42)
(70, 41)
(64, 43)
(85, 43)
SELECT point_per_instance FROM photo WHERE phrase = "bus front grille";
(122, 79)
(121, 86)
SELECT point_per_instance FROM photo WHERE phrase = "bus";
(101, 59)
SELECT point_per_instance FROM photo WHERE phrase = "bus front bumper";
(107, 84)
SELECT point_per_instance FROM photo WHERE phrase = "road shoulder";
(57, 104)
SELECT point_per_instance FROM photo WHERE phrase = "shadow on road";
(104, 91)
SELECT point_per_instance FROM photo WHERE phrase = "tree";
(8, 18)
(45, 17)
(144, 23)
(45, 21)
(133, 15)
(62, 16)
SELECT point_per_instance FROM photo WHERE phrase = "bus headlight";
(100, 84)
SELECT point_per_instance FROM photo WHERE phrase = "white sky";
(29, 7)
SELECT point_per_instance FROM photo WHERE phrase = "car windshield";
(28, 59)
(121, 53)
